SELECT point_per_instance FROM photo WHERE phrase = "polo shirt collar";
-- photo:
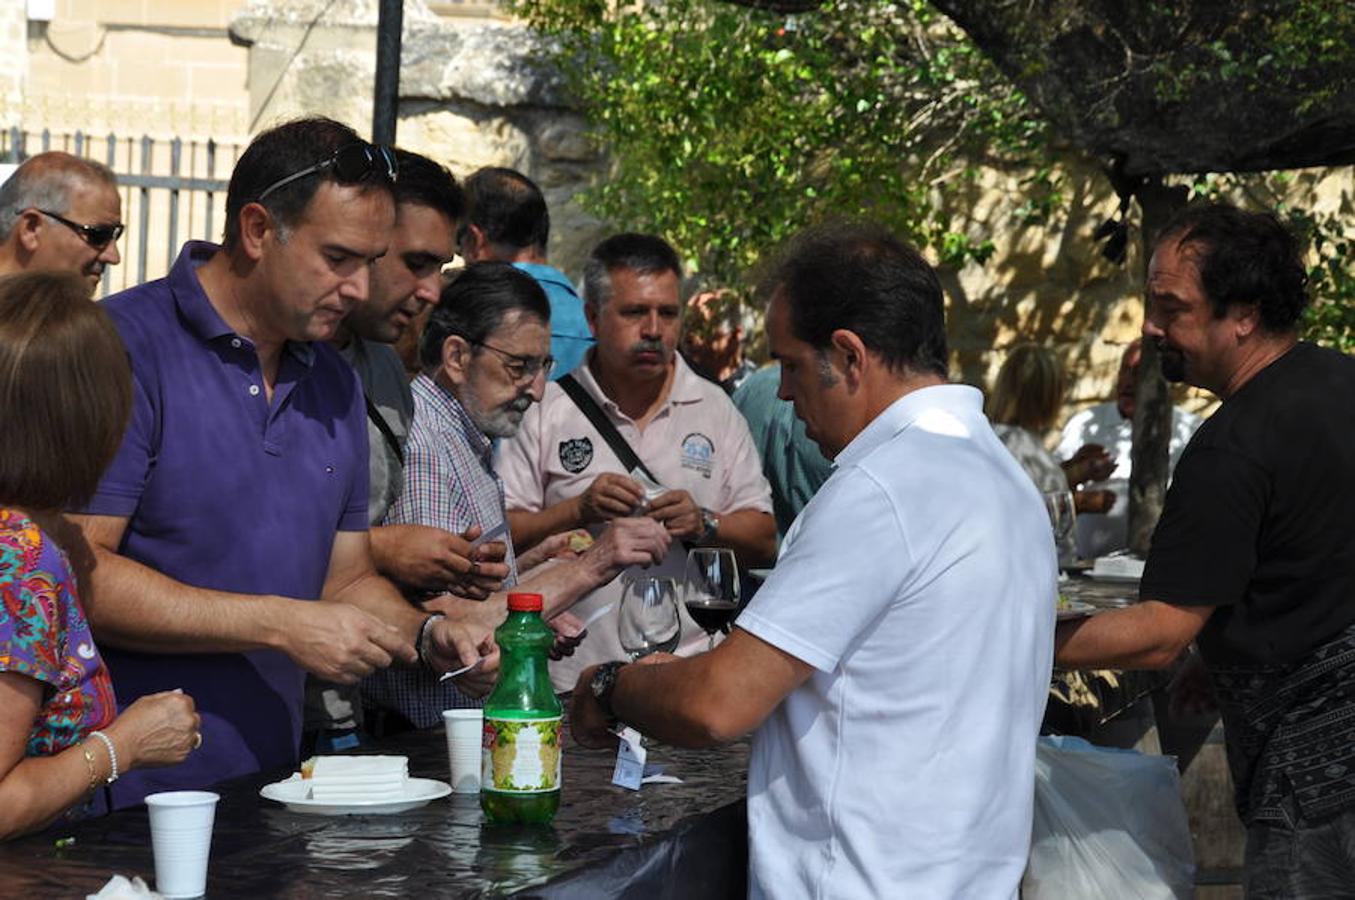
(687, 386)
(903, 412)
(197, 310)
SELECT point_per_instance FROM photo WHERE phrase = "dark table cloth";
(667, 840)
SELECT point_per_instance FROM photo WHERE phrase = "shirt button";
(254, 390)
(236, 343)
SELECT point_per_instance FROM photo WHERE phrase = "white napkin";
(344, 779)
(119, 888)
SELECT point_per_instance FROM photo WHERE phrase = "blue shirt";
(570, 336)
(793, 464)
(224, 489)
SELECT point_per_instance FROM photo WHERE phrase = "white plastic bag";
(1109, 825)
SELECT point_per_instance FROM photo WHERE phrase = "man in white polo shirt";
(559, 472)
(895, 665)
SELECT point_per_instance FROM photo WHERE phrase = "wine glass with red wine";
(710, 589)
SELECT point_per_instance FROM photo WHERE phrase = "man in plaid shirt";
(486, 357)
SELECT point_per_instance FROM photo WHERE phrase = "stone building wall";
(473, 92)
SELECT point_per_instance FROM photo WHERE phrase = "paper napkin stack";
(356, 779)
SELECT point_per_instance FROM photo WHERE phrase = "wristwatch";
(602, 684)
(710, 524)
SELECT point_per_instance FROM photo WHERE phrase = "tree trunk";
(1152, 401)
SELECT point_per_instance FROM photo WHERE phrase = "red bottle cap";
(524, 603)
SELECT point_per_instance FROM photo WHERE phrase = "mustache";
(519, 404)
(648, 347)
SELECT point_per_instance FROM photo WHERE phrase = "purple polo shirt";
(225, 490)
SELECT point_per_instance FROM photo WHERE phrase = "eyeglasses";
(351, 163)
(97, 236)
(520, 368)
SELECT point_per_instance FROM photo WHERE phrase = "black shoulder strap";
(588, 406)
(384, 427)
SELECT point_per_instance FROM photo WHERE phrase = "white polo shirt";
(697, 442)
(920, 584)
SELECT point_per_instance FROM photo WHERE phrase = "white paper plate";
(292, 794)
(1075, 609)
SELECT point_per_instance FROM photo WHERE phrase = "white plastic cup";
(181, 835)
(465, 729)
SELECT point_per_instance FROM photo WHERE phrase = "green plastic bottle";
(520, 777)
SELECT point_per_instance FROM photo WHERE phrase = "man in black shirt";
(1254, 556)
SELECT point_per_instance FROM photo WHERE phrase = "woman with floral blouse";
(65, 395)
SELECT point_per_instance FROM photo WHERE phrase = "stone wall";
(473, 92)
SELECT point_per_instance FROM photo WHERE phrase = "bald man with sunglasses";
(230, 534)
(60, 212)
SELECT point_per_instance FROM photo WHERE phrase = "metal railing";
(172, 191)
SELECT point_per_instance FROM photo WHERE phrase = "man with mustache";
(559, 472)
(1254, 556)
(59, 211)
(486, 356)
(230, 533)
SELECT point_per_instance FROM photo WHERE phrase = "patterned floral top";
(44, 635)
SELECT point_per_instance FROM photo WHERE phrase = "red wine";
(713, 615)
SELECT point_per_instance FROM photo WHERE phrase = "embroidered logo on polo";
(698, 453)
(576, 454)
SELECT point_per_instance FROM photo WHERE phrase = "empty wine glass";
(710, 589)
(1062, 517)
(648, 621)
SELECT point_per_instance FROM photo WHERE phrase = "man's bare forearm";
(372, 593)
(135, 607)
(1148, 635)
(751, 534)
(562, 583)
(677, 703)
(531, 528)
(383, 539)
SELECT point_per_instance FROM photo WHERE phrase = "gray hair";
(46, 181)
(643, 254)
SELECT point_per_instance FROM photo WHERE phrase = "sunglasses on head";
(97, 236)
(351, 163)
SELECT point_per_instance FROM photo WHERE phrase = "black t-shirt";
(1260, 518)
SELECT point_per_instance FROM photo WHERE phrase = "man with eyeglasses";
(561, 473)
(486, 355)
(62, 212)
(230, 533)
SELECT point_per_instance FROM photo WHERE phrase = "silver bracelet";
(421, 642)
(112, 755)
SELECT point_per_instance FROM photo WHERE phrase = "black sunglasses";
(351, 163)
(97, 236)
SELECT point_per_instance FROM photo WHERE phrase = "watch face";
(602, 680)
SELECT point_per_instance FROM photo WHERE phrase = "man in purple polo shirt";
(230, 533)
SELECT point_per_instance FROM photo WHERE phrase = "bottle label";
(521, 756)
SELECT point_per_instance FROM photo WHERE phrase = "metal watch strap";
(421, 642)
